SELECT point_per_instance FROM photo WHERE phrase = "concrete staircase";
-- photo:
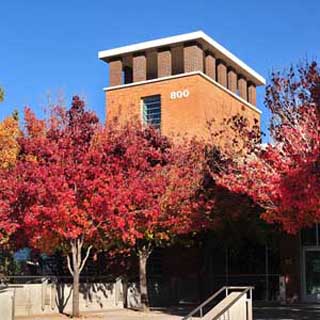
(229, 303)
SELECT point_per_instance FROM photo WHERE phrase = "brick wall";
(232, 80)
(164, 63)
(210, 66)
(115, 72)
(252, 94)
(179, 116)
(222, 73)
(193, 58)
(139, 68)
(242, 85)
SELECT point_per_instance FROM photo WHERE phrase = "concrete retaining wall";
(45, 298)
(6, 304)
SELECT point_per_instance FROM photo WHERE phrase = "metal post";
(249, 305)
(13, 303)
(227, 267)
(44, 284)
(267, 271)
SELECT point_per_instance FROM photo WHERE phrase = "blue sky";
(49, 48)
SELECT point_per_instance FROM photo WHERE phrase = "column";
(232, 80)
(210, 66)
(222, 73)
(242, 85)
(139, 68)
(252, 94)
(115, 72)
(193, 58)
(164, 63)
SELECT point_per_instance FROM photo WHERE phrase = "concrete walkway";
(110, 315)
(286, 312)
(261, 312)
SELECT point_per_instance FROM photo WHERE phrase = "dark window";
(151, 111)
(310, 236)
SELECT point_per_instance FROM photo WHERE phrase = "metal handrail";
(204, 303)
(232, 303)
(226, 289)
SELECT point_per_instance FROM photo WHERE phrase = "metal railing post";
(224, 314)
(249, 305)
(13, 304)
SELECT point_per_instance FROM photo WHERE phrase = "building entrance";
(310, 263)
(311, 269)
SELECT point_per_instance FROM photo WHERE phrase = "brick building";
(178, 84)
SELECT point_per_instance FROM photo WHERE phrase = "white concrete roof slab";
(206, 42)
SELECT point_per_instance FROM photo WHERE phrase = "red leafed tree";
(8, 221)
(283, 177)
(9, 148)
(78, 187)
(155, 183)
(54, 183)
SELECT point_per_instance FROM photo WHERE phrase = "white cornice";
(218, 50)
(217, 84)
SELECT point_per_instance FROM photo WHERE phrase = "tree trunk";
(75, 269)
(75, 295)
(144, 254)
(125, 286)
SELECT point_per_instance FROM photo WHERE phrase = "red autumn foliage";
(283, 176)
(8, 221)
(49, 186)
(77, 186)
(155, 184)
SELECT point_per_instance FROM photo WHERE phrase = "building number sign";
(179, 94)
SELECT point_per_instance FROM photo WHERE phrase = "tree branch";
(85, 258)
(79, 248)
(69, 265)
(74, 254)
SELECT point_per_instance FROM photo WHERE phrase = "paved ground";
(289, 312)
(261, 312)
(112, 315)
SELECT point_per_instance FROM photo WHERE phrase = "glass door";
(311, 259)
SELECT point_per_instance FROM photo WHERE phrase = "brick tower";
(178, 84)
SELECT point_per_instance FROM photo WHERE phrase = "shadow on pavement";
(262, 311)
(286, 312)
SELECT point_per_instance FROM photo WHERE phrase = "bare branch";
(74, 254)
(79, 247)
(85, 258)
(69, 265)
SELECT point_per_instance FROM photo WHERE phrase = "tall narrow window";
(151, 111)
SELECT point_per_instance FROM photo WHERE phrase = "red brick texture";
(222, 73)
(164, 63)
(252, 94)
(210, 66)
(184, 116)
(115, 72)
(232, 81)
(193, 58)
(139, 68)
(242, 85)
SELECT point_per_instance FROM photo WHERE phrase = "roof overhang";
(206, 42)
